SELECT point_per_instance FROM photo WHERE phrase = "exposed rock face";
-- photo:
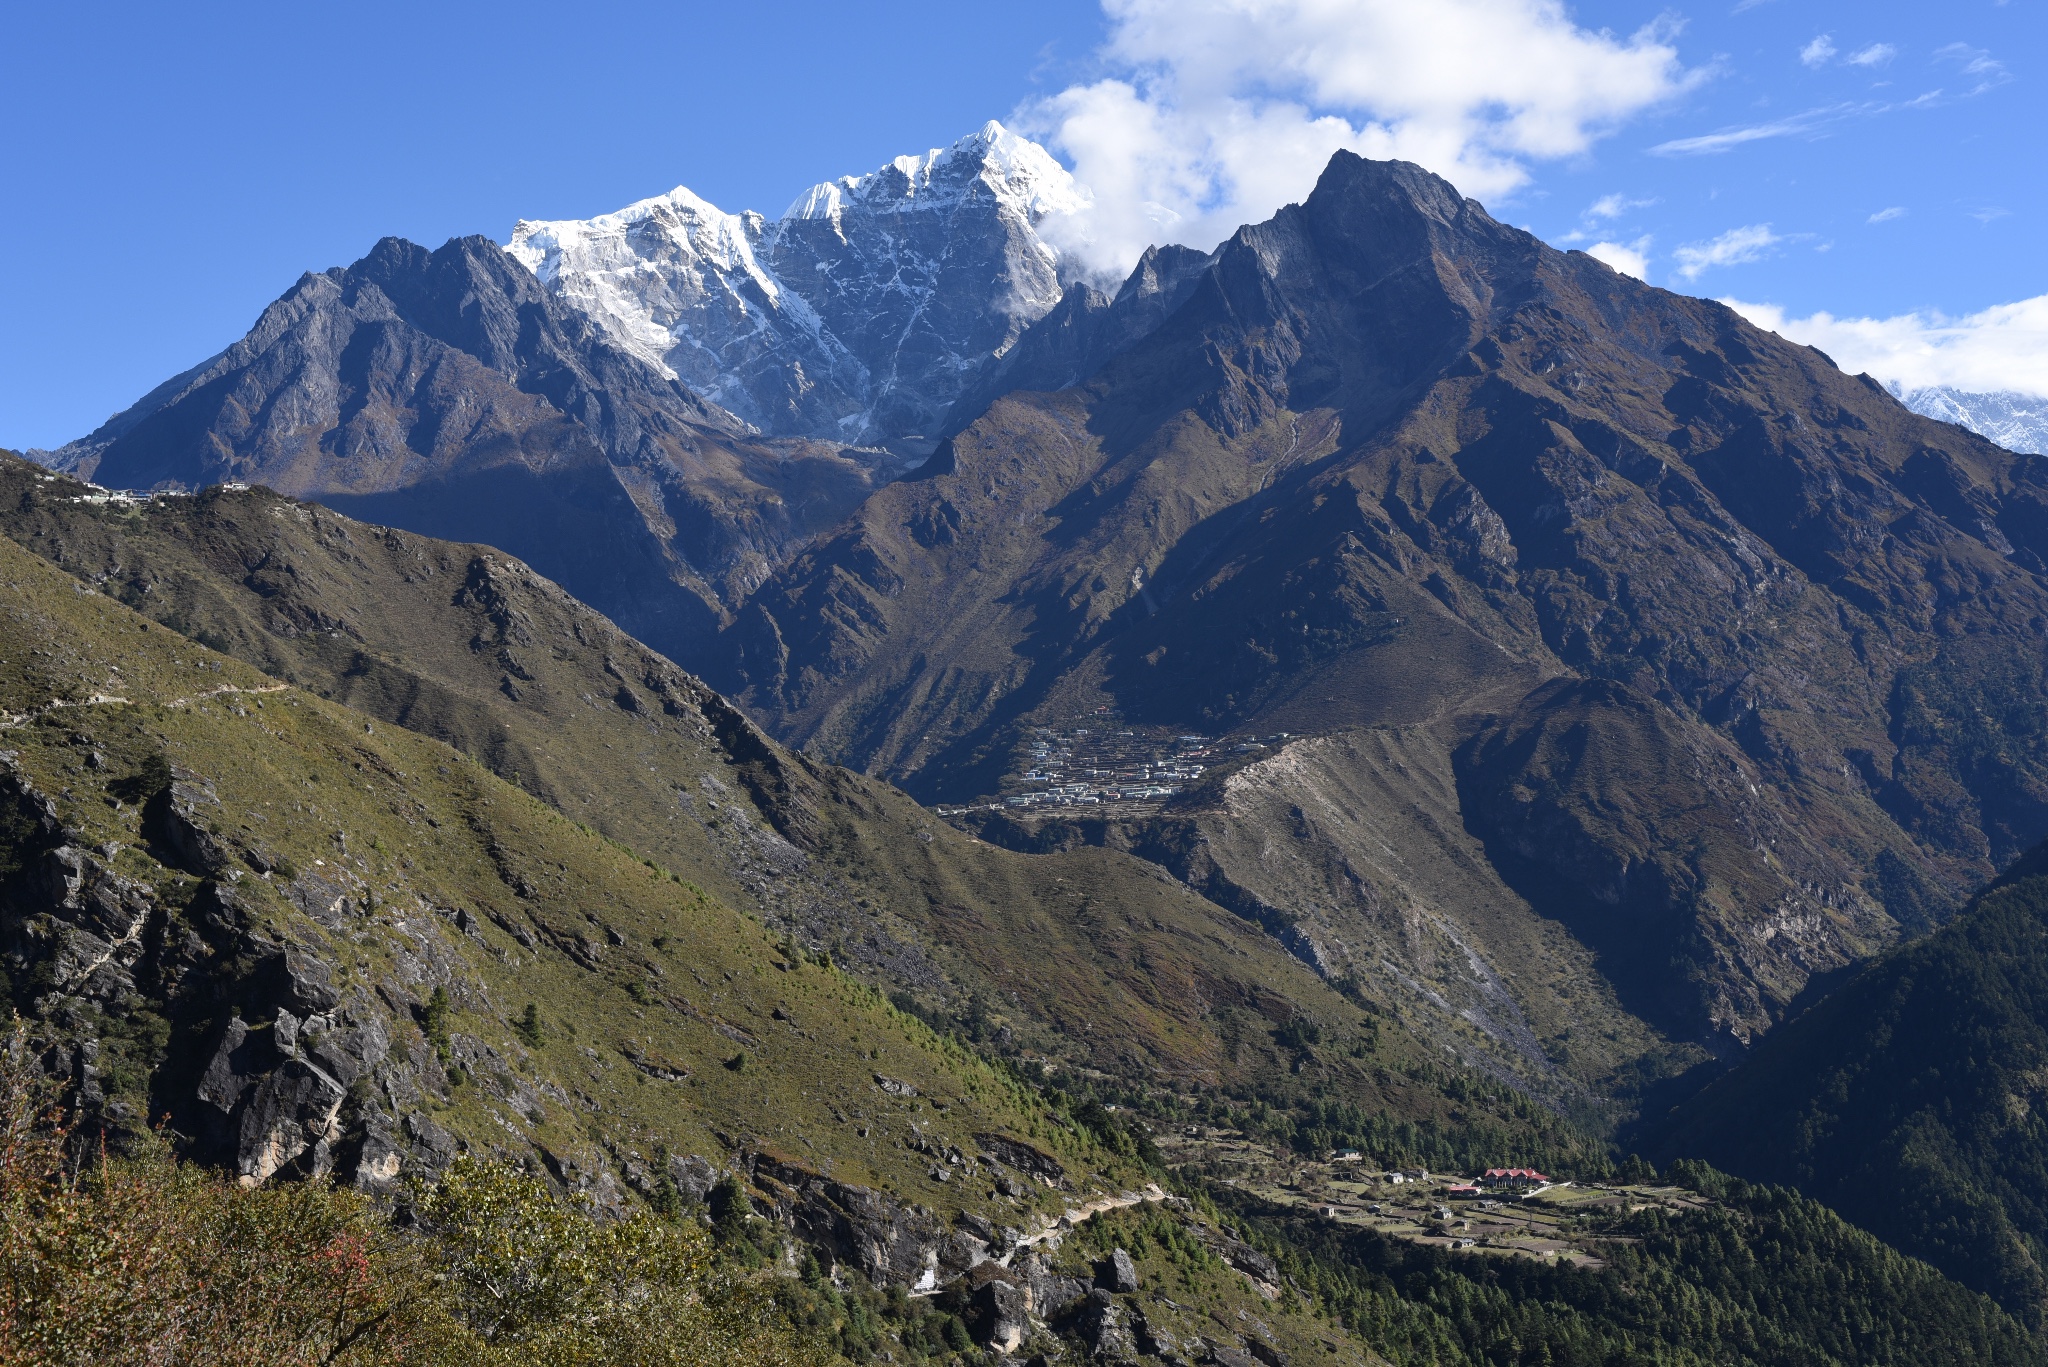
(285, 1107)
(449, 393)
(1386, 462)
(1104, 1324)
(860, 315)
(1024, 1157)
(1154, 1341)
(999, 1310)
(292, 1075)
(1052, 1294)
(892, 1244)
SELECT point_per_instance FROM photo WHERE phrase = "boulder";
(238, 1060)
(381, 1157)
(1243, 1257)
(174, 820)
(1105, 1326)
(1155, 1340)
(892, 1243)
(961, 1250)
(1266, 1352)
(1052, 1294)
(1117, 1273)
(694, 1177)
(999, 1314)
(304, 983)
(348, 1044)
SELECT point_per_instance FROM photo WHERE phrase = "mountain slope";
(448, 392)
(1911, 1100)
(859, 315)
(309, 940)
(1389, 463)
(1091, 960)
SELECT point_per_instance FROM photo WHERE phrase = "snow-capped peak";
(860, 314)
(2018, 422)
(1016, 169)
(594, 263)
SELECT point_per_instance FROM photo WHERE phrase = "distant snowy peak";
(679, 283)
(2018, 422)
(1020, 173)
(859, 315)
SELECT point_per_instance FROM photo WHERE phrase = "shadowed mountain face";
(1731, 662)
(449, 393)
(1910, 1100)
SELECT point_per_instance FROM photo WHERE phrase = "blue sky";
(167, 173)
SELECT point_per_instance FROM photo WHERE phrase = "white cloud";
(1632, 259)
(1217, 112)
(1732, 248)
(1811, 122)
(1877, 54)
(1887, 215)
(1615, 205)
(1819, 52)
(1977, 62)
(2003, 348)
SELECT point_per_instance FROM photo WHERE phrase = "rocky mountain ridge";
(1479, 524)
(1091, 960)
(1690, 621)
(448, 392)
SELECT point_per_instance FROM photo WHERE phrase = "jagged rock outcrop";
(1105, 1325)
(1117, 1273)
(1025, 1157)
(998, 1307)
(890, 1242)
(294, 1075)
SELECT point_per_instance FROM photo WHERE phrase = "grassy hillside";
(1912, 1099)
(196, 849)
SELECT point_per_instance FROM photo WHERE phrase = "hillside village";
(1503, 1211)
(1109, 768)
